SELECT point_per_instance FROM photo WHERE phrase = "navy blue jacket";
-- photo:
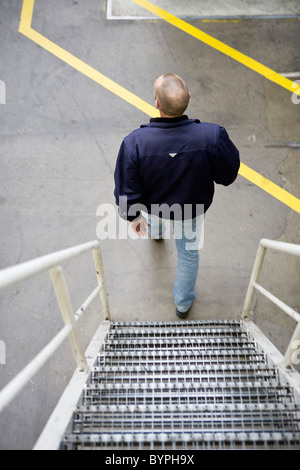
(173, 161)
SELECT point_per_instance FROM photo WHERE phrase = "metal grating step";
(180, 324)
(183, 385)
(189, 392)
(177, 344)
(175, 373)
(183, 357)
(190, 418)
(184, 441)
(134, 333)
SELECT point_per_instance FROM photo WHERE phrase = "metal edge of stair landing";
(186, 385)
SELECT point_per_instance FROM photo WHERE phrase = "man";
(166, 169)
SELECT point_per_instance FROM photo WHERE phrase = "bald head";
(171, 95)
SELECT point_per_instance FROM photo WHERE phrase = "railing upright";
(101, 281)
(283, 247)
(65, 305)
(258, 262)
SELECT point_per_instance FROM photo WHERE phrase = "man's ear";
(156, 104)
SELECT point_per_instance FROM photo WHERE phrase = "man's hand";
(139, 226)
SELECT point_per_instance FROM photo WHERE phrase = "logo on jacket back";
(172, 155)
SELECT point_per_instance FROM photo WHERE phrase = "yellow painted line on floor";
(220, 46)
(271, 188)
(70, 59)
(25, 28)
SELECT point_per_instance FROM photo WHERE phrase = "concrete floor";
(60, 134)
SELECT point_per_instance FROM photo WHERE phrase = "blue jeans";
(188, 236)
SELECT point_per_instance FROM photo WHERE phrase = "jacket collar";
(169, 122)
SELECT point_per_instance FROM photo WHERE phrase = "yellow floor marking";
(25, 28)
(220, 46)
(276, 191)
(70, 59)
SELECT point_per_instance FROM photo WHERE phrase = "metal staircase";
(183, 385)
(169, 386)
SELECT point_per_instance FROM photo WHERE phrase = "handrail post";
(254, 276)
(64, 302)
(101, 280)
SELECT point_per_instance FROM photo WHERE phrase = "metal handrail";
(12, 276)
(283, 247)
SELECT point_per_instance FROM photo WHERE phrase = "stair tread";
(187, 440)
(185, 384)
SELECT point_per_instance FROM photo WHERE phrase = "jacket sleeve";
(225, 159)
(128, 192)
